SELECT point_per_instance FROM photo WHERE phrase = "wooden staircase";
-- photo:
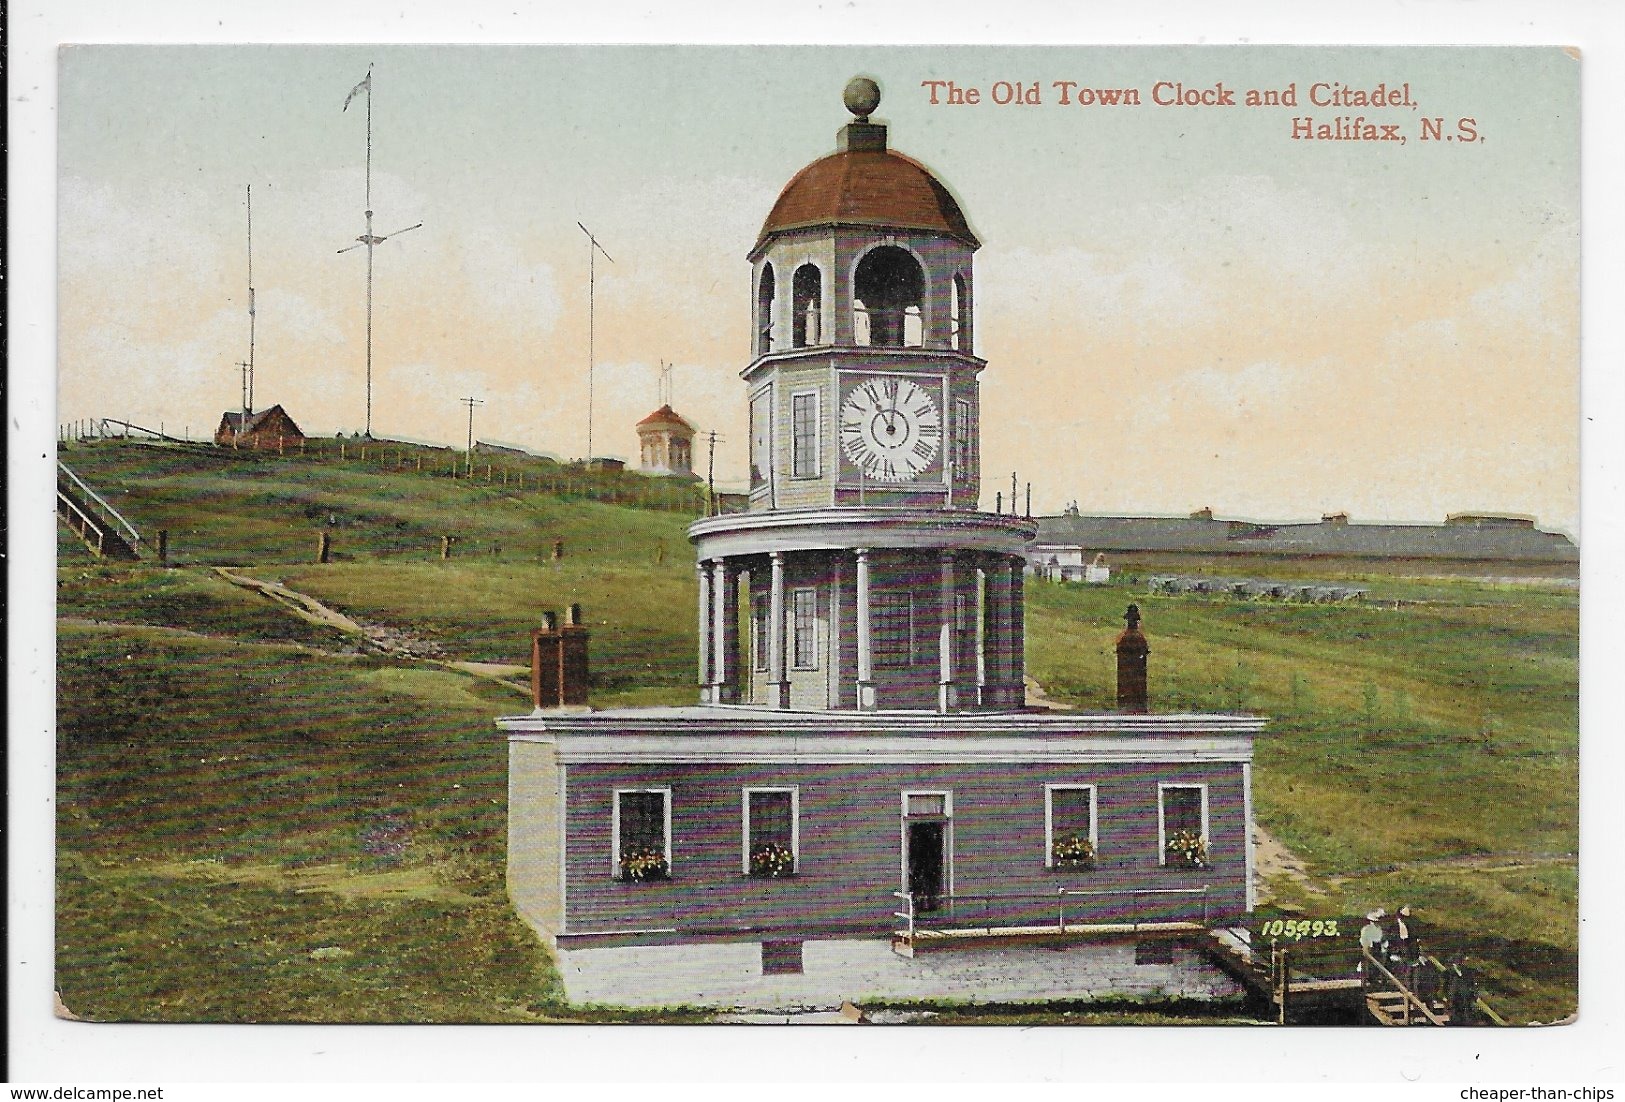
(93, 520)
(1429, 993)
(1402, 1008)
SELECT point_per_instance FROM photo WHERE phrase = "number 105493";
(1297, 928)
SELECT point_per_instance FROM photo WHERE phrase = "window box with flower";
(772, 861)
(1186, 849)
(642, 863)
(1072, 851)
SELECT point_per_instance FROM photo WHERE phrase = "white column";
(1247, 825)
(705, 631)
(947, 693)
(984, 605)
(866, 685)
(1018, 629)
(1001, 659)
(833, 672)
(776, 663)
(725, 652)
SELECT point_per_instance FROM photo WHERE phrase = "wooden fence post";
(445, 547)
(163, 545)
(324, 547)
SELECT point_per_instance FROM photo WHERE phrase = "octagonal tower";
(869, 578)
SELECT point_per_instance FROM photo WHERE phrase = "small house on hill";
(269, 428)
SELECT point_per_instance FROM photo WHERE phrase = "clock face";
(891, 428)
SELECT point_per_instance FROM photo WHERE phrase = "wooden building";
(666, 444)
(862, 749)
(269, 428)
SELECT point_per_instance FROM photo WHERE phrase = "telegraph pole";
(369, 239)
(593, 249)
(711, 473)
(471, 402)
(248, 399)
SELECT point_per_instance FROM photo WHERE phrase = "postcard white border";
(43, 1049)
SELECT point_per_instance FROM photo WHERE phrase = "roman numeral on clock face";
(891, 428)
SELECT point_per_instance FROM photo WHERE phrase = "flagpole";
(249, 407)
(369, 240)
(369, 253)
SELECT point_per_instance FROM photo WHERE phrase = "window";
(1069, 825)
(960, 319)
(889, 292)
(764, 312)
(642, 831)
(926, 805)
(804, 618)
(806, 298)
(891, 626)
(804, 435)
(1182, 824)
(761, 430)
(964, 439)
(781, 958)
(772, 833)
(759, 619)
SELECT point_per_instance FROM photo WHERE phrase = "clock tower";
(868, 578)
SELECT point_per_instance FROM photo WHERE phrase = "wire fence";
(513, 471)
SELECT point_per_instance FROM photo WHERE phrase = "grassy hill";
(261, 818)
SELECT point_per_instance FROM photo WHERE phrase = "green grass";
(226, 810)
(1443, 728)
(224, 795)
(224, 507)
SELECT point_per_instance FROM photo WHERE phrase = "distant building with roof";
(1462, 538)
(666, 444)
(269, 428)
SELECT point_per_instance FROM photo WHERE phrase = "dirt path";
(1038, 698)
(370, 638)
(1478, 862)
(377, 637)
(1271, 859)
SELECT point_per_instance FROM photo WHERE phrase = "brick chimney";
(1132, 648)
(573, 658)
(544, 662)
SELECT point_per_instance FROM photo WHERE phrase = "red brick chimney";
(558, 660)
(573, 658)
(1132, 695)
(544, 663)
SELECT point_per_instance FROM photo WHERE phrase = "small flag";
(365, 85)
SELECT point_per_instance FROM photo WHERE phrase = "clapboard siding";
(851, 844)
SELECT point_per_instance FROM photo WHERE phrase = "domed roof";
(868, 188)
(665, 417)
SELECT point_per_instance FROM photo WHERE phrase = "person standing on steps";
(1371, 940)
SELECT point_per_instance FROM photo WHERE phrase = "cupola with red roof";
(666, 443)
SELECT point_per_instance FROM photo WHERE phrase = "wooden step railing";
(87, 514)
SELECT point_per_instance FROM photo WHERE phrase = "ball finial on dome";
(862, 96)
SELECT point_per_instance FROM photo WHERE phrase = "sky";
(1117, 207)
(1180, 306)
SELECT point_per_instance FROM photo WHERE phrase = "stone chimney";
(1132, 695)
